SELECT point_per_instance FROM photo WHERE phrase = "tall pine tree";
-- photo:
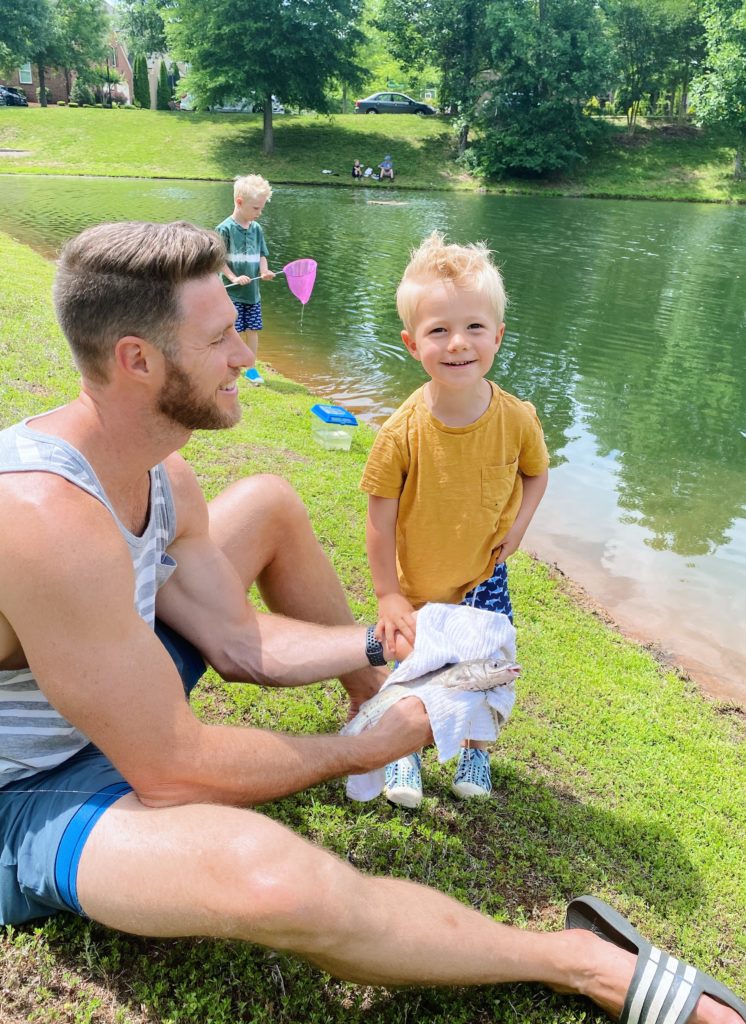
(140, 83)
(163, 95)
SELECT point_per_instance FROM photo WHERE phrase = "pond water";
(626, 329)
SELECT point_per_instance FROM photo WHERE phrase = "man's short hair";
(466, 266)
(114, 280)
(251, 186)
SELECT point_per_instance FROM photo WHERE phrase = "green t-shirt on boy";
(245, 247)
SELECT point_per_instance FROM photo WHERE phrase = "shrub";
(82, 93)
(72, 103)
(60, 103)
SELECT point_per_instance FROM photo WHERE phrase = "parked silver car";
(391, 103)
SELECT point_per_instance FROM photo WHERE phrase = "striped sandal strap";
(663, 990)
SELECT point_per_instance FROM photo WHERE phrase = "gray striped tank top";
(33, 736)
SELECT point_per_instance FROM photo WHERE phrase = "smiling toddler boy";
(455, 474)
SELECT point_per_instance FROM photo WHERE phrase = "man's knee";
(287, 897)
(267, 495)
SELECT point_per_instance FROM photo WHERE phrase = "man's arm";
(66, 589)
(206, 602)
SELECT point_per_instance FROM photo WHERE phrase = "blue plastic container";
(333, 426)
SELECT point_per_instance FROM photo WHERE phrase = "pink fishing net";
(300, 276)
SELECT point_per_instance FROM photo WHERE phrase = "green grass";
(657, 163)
(614, 776)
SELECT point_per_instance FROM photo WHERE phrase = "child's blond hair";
(466, 266)
(251, 186)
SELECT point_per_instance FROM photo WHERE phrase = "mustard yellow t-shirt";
(459, 490)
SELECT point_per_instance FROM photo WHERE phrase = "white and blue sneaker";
(472, 778)
(253, 376)
(404, 782)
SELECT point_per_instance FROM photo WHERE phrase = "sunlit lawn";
(614, 776)
(659, 162)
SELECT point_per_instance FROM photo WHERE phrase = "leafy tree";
(141, 22)
(140, 83)
(549, 57)
(686, 51)
(66, 34)
(720, 91)
(83, 28)
(163, 93)
(452, 37)
(294, 51)
(381, 67)
(21, 21)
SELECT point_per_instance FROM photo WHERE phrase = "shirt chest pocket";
(497, 485)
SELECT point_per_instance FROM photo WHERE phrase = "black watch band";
(373, 647)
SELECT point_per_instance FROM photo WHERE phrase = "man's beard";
(180, 402)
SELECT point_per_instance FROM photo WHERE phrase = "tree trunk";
(67, 83)
(684, 101)
(463, 138)
(268, 144)
(738, 165)
(42, 90)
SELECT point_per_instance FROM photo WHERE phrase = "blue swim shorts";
(492, 594)
(248, 316)
(46, 819)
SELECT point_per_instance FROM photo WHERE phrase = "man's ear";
(411, 344)
(135, 356)
(499, 336)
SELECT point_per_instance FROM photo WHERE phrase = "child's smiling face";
(456, 334)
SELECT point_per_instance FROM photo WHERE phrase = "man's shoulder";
(189, 501)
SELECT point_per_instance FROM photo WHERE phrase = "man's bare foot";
(606, 974)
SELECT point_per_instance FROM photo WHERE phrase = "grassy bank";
(656, 163)
(614, 777)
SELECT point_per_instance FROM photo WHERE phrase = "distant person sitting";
(386, 168)
(357, 169)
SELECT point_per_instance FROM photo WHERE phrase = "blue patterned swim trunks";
(492, 595)
(248, 316)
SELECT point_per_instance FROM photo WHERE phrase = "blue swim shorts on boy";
(492, 594)
(45, 819)
(248, 316)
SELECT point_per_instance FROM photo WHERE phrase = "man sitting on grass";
(117, 802)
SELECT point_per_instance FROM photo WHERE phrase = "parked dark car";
(391, 103)
(10, 97)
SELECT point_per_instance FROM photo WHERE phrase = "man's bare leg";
(262, 526)
(228, 873)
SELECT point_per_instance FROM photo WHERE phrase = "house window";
(24, 74)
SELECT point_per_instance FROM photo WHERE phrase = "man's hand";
(403, 729)
(395, 617)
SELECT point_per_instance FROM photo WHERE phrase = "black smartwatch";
(373, 647)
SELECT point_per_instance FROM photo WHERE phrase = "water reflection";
(626, 329)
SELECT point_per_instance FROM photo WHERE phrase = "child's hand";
(243, 279)
(510, 543)
(395, 616)
(267, 275)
